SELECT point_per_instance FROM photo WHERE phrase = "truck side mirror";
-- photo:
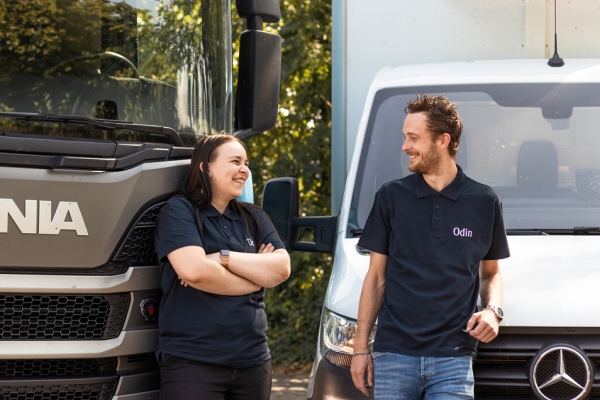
(280, 202)
(259, 70)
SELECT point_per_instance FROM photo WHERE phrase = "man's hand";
(362, 364)
(483, 326)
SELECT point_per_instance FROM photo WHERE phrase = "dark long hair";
(198, 190)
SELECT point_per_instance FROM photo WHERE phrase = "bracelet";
(360, 353)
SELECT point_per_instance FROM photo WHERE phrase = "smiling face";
(228, 172)
(423, 151)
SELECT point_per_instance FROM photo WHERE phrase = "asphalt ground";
(289, 387)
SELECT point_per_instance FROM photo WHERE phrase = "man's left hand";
(483, 326)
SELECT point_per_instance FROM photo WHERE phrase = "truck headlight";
(337, 338)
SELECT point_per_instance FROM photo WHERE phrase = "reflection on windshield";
(545, 170)
(153, 62)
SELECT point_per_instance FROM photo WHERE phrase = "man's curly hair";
(442, 117)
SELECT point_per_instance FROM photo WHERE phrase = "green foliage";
(299, 146)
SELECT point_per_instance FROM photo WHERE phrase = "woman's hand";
(266, 248)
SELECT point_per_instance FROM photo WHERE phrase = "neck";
(443, 176)
(220, 205)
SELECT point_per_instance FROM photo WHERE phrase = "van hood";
(549, 281)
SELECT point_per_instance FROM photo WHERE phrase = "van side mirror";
(280, 202)
(259, 70)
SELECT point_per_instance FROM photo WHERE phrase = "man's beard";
(430, 162)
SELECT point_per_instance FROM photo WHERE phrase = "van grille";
(50, 391)
(56, 317)
(79, 367)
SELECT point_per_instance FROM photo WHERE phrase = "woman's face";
(228, 171)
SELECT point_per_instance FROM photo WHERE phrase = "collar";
(452, 191)
(211, 211)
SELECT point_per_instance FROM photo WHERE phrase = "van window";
(536, 145)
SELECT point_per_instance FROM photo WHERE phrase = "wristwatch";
(225, 258)
(497, 310)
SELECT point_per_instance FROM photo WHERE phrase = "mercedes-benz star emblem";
(561, 372)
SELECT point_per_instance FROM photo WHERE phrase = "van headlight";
(337, 338)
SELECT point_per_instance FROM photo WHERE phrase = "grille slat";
(59, 317)
(138, 247)
(77, 367)
(50, 391)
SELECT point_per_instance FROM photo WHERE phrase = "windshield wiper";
(583, 230)
(356, 232)
(578, 230)
(97, 123)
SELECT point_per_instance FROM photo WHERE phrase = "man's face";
(422, 150)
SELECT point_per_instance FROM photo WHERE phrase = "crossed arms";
(247, 272)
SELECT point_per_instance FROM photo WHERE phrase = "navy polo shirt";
(434, 242)
(200, 326)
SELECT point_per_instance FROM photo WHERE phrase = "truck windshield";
(536, 145)
(153, 62)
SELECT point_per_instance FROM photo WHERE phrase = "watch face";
(499, 312)
(225, 253)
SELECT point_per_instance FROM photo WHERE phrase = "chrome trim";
(128, 342)
(562, 375)
(135, 279)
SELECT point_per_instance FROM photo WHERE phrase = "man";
(435, 238)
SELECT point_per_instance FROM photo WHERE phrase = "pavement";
(289, 387)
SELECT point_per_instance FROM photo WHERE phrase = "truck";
(530, 119)
(101, 103)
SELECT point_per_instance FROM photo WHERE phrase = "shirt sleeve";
(499, 247)
(269, 233)
(176, 227)
(376, 233)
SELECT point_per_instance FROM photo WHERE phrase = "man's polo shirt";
(201, 326)
(434, 242)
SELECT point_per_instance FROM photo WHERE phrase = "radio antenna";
(555, 61)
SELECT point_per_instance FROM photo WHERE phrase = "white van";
(531, 132)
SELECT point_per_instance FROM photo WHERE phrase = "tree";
(299, 146)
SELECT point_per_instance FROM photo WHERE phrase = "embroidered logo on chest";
(250, 242)
(462, 232)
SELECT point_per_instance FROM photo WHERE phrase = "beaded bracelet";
(361, 353)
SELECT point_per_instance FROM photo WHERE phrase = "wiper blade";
(97, 123)
(526, 232)
(582, 230)
(356, 232)
(578, 230)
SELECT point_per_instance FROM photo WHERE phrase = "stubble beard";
(430, 163)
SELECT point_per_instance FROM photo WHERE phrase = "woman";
(216, 256)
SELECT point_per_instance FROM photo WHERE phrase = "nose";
(405, 146)
(245, 169)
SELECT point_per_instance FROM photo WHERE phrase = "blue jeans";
(399, 377)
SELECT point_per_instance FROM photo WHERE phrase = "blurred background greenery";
(299, 146)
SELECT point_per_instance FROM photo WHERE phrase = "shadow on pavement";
(289, 387)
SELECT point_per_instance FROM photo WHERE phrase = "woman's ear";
(201, 166)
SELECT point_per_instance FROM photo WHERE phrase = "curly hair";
(442, 117)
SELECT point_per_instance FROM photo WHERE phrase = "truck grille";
(56, 317)
(77, 367)
(138, 247)
(49, 391)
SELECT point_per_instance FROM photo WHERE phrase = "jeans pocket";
(377, 354)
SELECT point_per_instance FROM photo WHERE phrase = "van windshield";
(153, 62)
(537, 145)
